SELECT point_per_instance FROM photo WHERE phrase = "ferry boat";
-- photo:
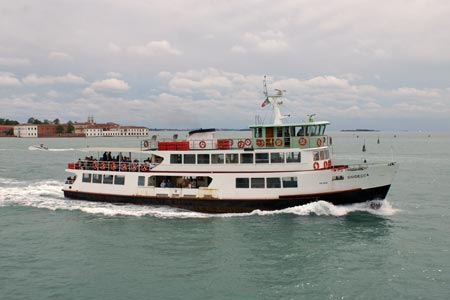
(279, 165)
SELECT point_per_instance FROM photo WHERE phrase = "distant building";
(26, 130)
(4, 129)
(123, 131)
(47, 130)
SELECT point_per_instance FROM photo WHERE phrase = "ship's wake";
(33, 148)
(47, 194)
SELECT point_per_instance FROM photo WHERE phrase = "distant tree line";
(8, 122)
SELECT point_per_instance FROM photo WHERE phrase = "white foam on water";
(47, 194)
(33, 148)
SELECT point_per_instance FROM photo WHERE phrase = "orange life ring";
(113, 166)
(278, 142)
(325, 164)
(260, 142)
(123, 167)
(94, 165)
(102, 166)
(302, 141)
(133, 167)
(146, 144)
(248, 142)
(319, 142)
(143, 167)
(316, 165)
(202, 144)
(241, 144)
(329, 164)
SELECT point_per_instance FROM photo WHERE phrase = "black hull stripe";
(237, 205)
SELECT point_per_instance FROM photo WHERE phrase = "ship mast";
(276, 101)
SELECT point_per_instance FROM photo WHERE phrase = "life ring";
(133, 167)
(146, 144)
(260, 142)
(325, 164)
(102, 166)
(329, 163)
(94, 165)
(278, 142)
(143, 167)
(202, 144)
(316, 165)
(319, 142)
(302, 141)
(248, 142)
(241, 144)
(123, 167)
(113, 166)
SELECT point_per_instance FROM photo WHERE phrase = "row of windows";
(236, 158)
(269, 182)
(310, 130)
(105, 179)
(321, 155)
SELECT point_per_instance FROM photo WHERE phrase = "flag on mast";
(267, 101)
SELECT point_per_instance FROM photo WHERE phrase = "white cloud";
(108, 85)
(238, 49)
(154, 48)
(33, 79)
(114, 48)
(9, 80)
(269, 41)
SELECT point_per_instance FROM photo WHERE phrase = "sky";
(381, 65)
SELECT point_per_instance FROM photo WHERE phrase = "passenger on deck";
(163, 183)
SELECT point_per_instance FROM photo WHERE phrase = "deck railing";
(117, 166)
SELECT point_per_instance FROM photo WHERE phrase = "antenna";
(265, 87)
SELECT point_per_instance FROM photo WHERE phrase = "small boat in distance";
(279, 165)
(38, 147)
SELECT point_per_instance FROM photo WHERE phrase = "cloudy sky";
(196, 63)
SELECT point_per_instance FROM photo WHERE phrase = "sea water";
(57, 248)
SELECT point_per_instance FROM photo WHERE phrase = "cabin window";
(316, 155)
(290, 182)
(273, 183)
(97, 178)
(189, 159)
(293, 157)
(175, 158)
(246, 158)
(217, 158)
(242, 183)
(262, 158)
(87, 177)
(203, 159)
(108, 179)
(277, 157)
(279, 131)
(257, 183)
(232, 158)
(141, 180)
(119, 179)
(322, 155)
(258, 132)
(327, 154)
(300, 130)
(322, 129)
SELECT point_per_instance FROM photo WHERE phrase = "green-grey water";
(55, 248)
